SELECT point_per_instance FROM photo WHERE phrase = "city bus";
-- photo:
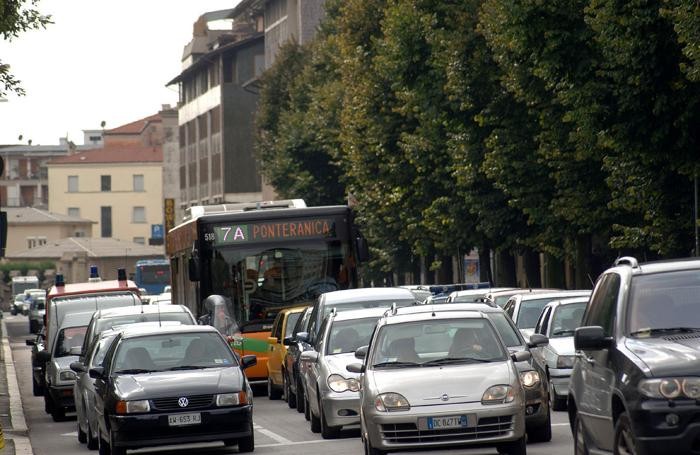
(260, 257)
(152, 275)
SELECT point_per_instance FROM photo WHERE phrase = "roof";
(137, 331)
(361, 314)
(582, 299)
(401, 317)
(478, 291)
(98, 287)
(367, 294)
(31, 215)
(94, 247)
(555, 295)
(130, 153)
(429, 308)
(523, 291)
(665, 266)
(135, 127)
(138, 309)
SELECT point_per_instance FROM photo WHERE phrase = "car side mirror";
(537, 340)
(591, 338)
(361, 352)
(78, 367)
(43, 356)
(303, 337)
(97, 373)
(309, 356)
(521, 356)
(288, 341)
(76, 350)
(248, 361)
(355, 368)
(30, 342)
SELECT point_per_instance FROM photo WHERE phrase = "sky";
(101, 60)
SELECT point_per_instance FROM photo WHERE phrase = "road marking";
(72, 434)
(297, 443)
(272, 435)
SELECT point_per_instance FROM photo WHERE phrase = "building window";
(106, 221)
(74, 211)
(140, 240)
(33, 242)
(138, 183)
(139, 215)
(79, 234)
(106, 183)
(72, 183)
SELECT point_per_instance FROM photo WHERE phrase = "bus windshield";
(260, 279)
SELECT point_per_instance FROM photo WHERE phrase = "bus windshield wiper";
(650, 331)
(449, 360)
(395, 364)
(134, 371)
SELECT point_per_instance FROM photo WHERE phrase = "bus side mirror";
(193, 268)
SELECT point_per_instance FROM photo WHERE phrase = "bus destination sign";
(271, 231)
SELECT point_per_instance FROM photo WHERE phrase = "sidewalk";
(12, 420)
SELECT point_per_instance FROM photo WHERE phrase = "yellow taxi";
(281, 328)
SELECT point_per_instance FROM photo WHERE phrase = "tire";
(48, 402)
(518, 447)
(579, 434)
(58, 413)
(103, 447)
(300, 398)
(315, 421)
(272, 392)
(307, 412)
(92, 443)
(327, 431)
(557, 404)
(625, 442)
(36, 388)
(291, 397)
(247, 444)
(82, 436)
(543, 432)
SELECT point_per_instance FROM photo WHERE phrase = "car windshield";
(567, 318)
(433, 342)
(347, 336)
(501, 300)
(358, 305)
(664, 301)
(292, 319)
(530, 311)
(163, 352)
(505, 329)
(68, 338)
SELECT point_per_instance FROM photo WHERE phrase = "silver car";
(439, 379)
(525, 309)
(333, 392)
(558, 321)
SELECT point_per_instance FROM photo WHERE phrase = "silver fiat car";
(332, 391)
(439, 379)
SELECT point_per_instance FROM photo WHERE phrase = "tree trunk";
(485, 273)
(531, 261)
(554, 272)
(582, 267)
(505, 268)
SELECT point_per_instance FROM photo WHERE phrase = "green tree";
(17, 16)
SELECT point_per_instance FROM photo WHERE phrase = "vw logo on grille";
(183, 402)
(444, 397)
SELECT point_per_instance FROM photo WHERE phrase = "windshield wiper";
(448, 360)
(134, 371)
(186, 367)
(665, 330)
(396, 364)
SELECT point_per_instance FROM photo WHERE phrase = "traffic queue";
(142, 376)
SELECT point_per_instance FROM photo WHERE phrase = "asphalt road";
(278, 429)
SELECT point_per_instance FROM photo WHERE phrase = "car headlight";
(66, 375)
(498, 394)
(670, 388)
(391, 402)
(339, 384)
(231, 399)
(565, 361)
(529, 378)
(132, 407)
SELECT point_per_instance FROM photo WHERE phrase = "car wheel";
(300, 398)
(58, 413)
(315, 421)
(625, 442)
(82, 436)
(48, 402)
(580, 445)
(93, 443)
(517, 447)
(247, 444)
(272, 392)
(327, 431)
(291, 397)
(543, 432)
(557, 404)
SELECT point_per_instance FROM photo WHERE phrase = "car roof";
(668, 265)
(563, 302)
(554, 295)
(76, 319)
(360, 314)
(138, 309)
(430, 307)
(481, 291)
(401, 317)
(367, 294)
(140, 330)
(522, 291)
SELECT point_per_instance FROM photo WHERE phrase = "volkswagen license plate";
(447, 422)
(178, 420)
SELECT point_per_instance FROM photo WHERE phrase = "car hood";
(336, 364)
(63, 363)
(170, 383)
(425, 386)
(562, 345)
(668, 356)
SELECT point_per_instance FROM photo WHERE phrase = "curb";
(19, 433)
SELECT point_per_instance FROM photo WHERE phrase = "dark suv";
(635, 385)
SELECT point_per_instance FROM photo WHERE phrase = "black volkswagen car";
(294, 390)
(172, 385)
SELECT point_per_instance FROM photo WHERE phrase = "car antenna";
(590, 279)
(160, 324)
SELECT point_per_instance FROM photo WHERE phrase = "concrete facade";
(29, 227)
